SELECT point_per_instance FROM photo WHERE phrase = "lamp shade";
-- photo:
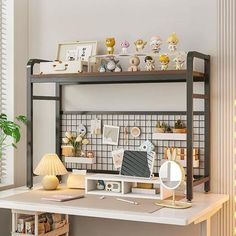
(50, 164)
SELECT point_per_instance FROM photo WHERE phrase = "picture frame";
(111, 134)
(76, 51)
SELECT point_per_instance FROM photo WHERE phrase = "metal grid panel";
(146, 121)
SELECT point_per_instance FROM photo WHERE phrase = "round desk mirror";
(171, 175)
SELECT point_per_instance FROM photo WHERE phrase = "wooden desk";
(204, 207)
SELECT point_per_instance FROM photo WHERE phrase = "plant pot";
(180, 131)
(69, 151)
(159, 130)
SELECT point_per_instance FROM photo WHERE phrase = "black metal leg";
(207, 124)
(29, 129)
(190, 127)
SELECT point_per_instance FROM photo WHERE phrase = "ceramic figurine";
(124, 47)
(100, 185)
(149, 63)
(172, 41)
(179, 61)
(134, 62)
(110, 43)
(155, 43)
(139, 44)
(102, 68)
(113, 66)
(164, 60)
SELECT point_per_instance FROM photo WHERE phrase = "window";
(6, 83)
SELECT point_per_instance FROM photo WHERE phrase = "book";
(62, 197)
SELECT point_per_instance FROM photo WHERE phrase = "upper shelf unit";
(175, 76)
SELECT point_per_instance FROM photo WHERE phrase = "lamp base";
(50, 182)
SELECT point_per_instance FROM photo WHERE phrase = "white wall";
(54, 21)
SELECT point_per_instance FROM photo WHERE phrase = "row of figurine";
(155, 43)
(111, 64)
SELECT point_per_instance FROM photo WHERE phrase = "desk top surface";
(25, 199)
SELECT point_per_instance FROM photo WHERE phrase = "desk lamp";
(50, 166)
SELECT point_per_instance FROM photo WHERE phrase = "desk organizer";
(126, 186)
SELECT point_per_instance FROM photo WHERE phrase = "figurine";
(110, 43)
(102, 68)
(149, 63)
(155, 43)
(172, 41)
(179, 61)
(134, 61)
(113, 66)
(164, 60)
(124, 46)
(139, 44)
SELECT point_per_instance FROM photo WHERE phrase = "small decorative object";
(149, 61)
(155, 43)
(179, 127)
(50, 166)
(164, 60)
(135, 132)
(179, 61)
(117, 156)
(113, 65)
(101, 185)
(124, 47)
(140, 44)
(102, 68)
(96, 127)
(134, 62)
(160, 127)
(76, 179)
(147, 146)
(126, 135)
(90, 154)
(111, 134)
(76, 141)
(110, 43)
(82, 130)
(172, 41)
(113, 187)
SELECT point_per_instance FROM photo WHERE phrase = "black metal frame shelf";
(187, 76)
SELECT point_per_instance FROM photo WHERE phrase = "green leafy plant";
(168, 129)
(10, 129)
(179, 125)
(160, 125)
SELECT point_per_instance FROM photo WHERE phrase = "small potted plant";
(73, 145)
(160, 127)
(179, 127)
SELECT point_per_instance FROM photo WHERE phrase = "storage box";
(72, 57)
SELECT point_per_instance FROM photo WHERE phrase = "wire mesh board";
(145, 121)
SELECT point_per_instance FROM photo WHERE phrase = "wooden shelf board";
(169, 136)
(117, 77)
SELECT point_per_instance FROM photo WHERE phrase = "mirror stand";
(173, 203)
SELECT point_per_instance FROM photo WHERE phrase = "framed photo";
(75, 51)
(111, 134)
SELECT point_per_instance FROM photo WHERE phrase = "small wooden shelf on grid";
(80, 160)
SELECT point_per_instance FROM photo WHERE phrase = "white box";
(61, 67)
